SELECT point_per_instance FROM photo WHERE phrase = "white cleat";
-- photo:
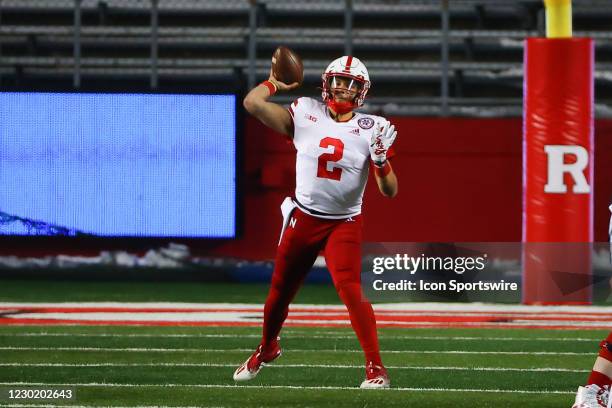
(376, 377)
(250, 368)
(242, 373)
(593, 396)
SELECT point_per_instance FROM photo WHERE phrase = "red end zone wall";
(460, 180)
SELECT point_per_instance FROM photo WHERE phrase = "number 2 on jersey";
(334, 156)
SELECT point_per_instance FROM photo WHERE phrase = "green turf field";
(92, 291)
(131, 366)
(184, 366)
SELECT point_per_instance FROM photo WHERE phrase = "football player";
(336, 147)
(596, 394)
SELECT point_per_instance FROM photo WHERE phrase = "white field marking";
(221, 365)
(288, 333)
(404, 307)
(297, 318)
(518, 324)
(296, 387)
(201, 316)
(352, 336)
(521, 316)
(98, 406)
(195, 350)
(217, 319)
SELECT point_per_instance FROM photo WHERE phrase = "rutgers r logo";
(557, 168)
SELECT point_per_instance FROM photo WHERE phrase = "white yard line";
(257, 336)
(391, 315)
(203, 350)
(402, 307)
(221, 365)
(214, 317)
(297, 387)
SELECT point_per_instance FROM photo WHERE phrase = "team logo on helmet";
(365, 123)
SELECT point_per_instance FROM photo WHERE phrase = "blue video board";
(131, 165)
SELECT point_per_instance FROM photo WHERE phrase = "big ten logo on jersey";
(310, 117)
(558, 157)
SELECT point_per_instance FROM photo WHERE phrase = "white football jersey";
(333, 159)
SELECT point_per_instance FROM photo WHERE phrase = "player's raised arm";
(382, 139)
(270, 114)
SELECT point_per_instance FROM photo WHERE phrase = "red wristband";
(383, 170)
(605, 350)
(271, 87)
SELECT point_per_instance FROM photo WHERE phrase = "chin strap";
(340, 107)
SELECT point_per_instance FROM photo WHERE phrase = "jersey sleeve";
(292, 108)
(298, 107)
(298, 110)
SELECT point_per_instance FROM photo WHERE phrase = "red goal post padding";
(558, 170)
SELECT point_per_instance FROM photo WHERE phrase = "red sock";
(603, 351)
(596, 377)
(362, 320)
(275, 313)
(286, 281)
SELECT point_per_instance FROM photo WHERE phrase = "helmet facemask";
(343, 93)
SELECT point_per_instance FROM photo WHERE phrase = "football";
(287, 66)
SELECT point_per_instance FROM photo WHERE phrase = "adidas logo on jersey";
(355, 131)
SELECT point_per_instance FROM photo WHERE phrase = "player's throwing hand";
(381, 141)
(281, 86)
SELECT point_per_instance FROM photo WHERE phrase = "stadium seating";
(203, 46)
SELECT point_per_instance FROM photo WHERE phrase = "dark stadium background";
(449, 74)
